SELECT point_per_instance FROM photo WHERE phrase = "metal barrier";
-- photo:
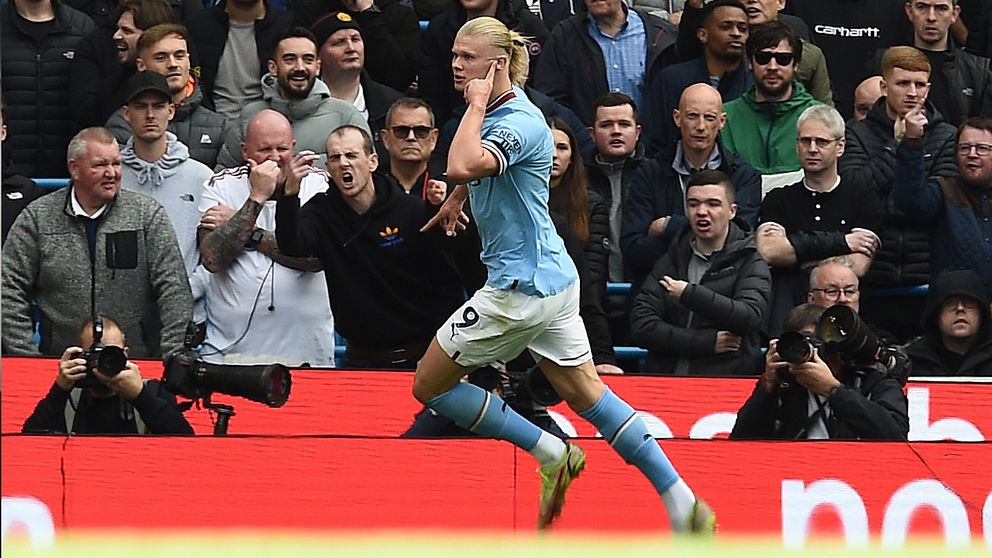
(51, 183)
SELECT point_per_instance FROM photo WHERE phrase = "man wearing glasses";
(818, 217)
(409, 136)
(761, 125)
(958, 209)
(825, 397)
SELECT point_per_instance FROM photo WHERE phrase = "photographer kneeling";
(838, 384)
(99, 391)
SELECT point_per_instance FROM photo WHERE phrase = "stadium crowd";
(776, 136)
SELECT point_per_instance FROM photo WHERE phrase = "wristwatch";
(255, 238)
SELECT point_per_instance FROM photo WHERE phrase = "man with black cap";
(341, 50)
(157, 164)
(292, 89)
(958, 329)
(165, 49)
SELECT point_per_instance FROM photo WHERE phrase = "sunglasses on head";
(765, 56)
(402, 132)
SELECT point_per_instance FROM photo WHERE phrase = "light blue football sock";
(626, 432)
(475, 409)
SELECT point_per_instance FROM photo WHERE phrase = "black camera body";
(841, 331)
(108, 360)
(796, 347)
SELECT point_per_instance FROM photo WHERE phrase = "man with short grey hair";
(816, 218)
(103, 250)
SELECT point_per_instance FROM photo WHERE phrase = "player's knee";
(423, 390)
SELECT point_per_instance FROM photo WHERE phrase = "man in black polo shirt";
(816, 218)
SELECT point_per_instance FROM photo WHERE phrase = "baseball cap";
(147, 81)
(330, 24)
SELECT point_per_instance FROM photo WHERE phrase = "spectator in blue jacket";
(655, 208)
(611, 48)
(957, 208)
(724, 34)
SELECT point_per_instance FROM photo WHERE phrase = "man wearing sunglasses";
(761, 125)
(957, 209)
(409, 136)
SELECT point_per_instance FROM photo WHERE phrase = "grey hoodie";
(199, 128)
(313, 119)
(175, 181)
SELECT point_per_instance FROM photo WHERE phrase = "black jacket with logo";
(36, 89)
(390, 285)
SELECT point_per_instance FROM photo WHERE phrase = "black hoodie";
(928, 356)
(390, 285)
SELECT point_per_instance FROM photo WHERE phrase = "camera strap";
(820, 413)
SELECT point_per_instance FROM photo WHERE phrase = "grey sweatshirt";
(139, 276)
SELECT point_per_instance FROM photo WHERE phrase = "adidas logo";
(388, 231)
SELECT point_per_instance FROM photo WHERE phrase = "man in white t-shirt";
(262, 306)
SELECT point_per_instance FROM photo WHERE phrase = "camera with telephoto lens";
(187, 375)
(109, 360)
(842, 331)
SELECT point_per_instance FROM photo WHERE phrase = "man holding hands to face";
(259, 297)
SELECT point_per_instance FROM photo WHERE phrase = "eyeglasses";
(833, 293)
(982, 149)
(763, 57)
(820, 142)
(402, 132)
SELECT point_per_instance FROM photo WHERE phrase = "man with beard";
(292, 89)
(723, 34)
(164, 49)
(957, 208)
(761, 125)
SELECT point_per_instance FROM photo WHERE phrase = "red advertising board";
(330, 459)
(363, 403)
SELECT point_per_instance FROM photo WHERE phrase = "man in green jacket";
(761, 125)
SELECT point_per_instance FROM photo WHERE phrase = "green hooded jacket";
(764, 134)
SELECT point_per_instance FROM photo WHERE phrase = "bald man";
(865, 95)
(262, 306)
(655, 211)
